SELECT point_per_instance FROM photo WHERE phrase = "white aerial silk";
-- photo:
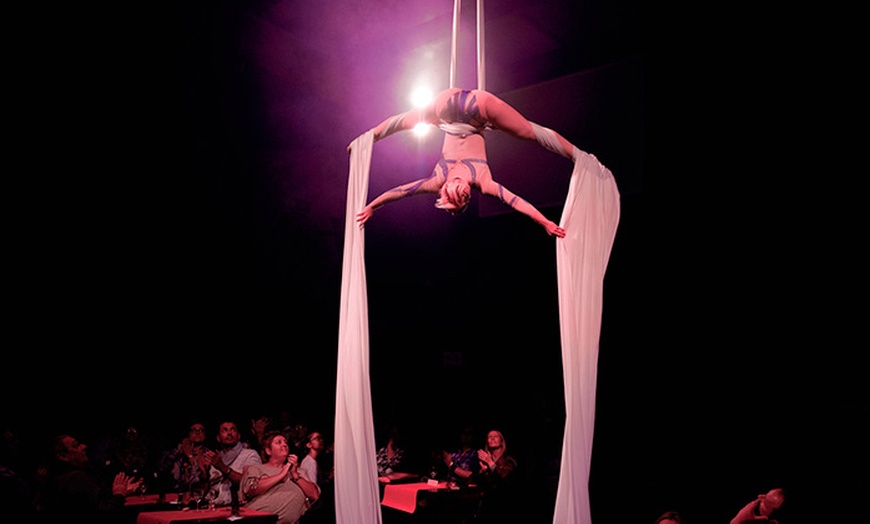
(590, 217)
(356, 471)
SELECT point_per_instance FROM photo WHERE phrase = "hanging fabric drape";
(454, 45)
(454, 42)
(481, 57)
(590, 218)
(356, 471)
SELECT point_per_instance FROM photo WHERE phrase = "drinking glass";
(210, 497)
(196, 497)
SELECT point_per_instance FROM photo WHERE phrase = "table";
(194, 516)
(136, 504)
(151, 499)
(435, 502)
(403, 497)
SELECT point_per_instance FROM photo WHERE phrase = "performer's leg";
(553, 141)
(504, 117)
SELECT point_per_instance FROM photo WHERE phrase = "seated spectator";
(462, 463)
(131, 452)
(277, 485)
(393, 459)
(259, 425)
(125, 448)
(296, 435)
(760, 509)
(326, 463)
(185, 466)
(322, 512)
(314, 445)
(72, 493)
(18, 490)
(228, 463)
(669, 517)
(497, 480)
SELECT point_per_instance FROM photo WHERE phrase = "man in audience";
(760, 509)
(74, 494)
(229, 462)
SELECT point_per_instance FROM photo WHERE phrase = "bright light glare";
(421, 129)
(420, 97)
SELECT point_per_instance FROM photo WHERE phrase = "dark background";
(177, 198)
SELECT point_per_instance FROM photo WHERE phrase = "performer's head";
(455, 195)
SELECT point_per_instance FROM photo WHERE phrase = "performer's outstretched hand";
(363, 216)
(554, 230)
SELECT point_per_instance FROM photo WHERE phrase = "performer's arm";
(401, 122)
(494, 189)
(424, 185)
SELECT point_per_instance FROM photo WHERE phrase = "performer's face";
(455, 195)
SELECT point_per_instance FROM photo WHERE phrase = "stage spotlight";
(420, 97)
(421, 129)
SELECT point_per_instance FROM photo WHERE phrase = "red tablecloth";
(150, 498)
(403, 497)
(204, 515)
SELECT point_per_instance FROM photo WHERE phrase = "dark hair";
(58, 445)
(670, 515)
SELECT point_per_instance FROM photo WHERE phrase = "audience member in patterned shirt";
(393, 460)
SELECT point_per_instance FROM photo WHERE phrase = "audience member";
(185, 465)
(669, 517)
(497, 480)
(259, 426)
(277, 484)
(283, 422)
(323, 511)
(123, 448)
(229, 462)
(326, 463)
(131, 453)
(73, 493)
(309, 464)
(297, 433)
(462, 463)
(18, 491)
(760, 509)
(393, 460)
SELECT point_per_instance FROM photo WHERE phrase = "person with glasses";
(317, 464)
(314, 444)
(185, 466)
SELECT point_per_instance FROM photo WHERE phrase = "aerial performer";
(584, 238)
(464, 116)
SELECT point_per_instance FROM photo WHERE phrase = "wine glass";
(210, 497)
(195, 497)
